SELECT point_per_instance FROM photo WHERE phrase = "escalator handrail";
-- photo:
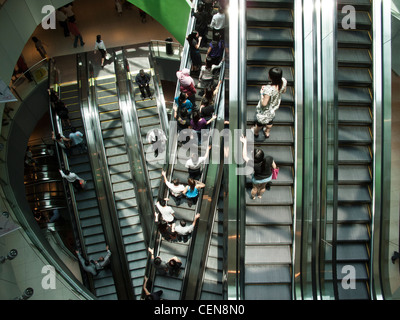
(63, 162)
(108, 209)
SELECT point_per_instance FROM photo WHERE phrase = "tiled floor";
(93, 18)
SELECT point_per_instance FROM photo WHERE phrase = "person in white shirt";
(103, 262)
(183, 230)
(158, 140)
(218, 23)
(194, 164)
(167, 212)
(73, 178)
(176, 189)
(99, 45)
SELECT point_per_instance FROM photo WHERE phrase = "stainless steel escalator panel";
(272, 56)
(270, 17)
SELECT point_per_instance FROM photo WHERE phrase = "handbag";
(275, 173)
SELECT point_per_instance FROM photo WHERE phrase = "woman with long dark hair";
(269, 102)
(192, 191)
(194, 43)
(263, 166)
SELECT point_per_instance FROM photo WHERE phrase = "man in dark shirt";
(143, 79)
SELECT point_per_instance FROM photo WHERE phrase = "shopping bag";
(275, 173)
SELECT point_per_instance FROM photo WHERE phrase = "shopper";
(99, 45)
(269, 102)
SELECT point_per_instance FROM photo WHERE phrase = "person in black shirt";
(262, 169)
(143, 81)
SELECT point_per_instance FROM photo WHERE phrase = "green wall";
(172, 14)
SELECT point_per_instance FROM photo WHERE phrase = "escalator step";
(268, 292)
(354, 96)
(355, 194)
(269, 17)
(354, 134)
(353, 174)
(270, 3)
(357, 4)
(354, 57)
(259, 215)
(360, 292)
(258, 274)
(280, 134)
(268, 255)
(354, 76)
(363, 19)
(120, 159)
(268, 235)
(354, 154)
(355, 115)
(269, 36)
(349, 233)
(354, 38)
(270, 56)
(350, 213)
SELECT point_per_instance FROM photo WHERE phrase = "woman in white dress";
(270, 101)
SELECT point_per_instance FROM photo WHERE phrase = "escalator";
(87, 206)
(212, 288)
(351, 223)
(117, 144)
(269, 221)
(148, 119)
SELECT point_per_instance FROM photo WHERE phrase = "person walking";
(73, 28)
(73, 178)
(269, 102)
(99, 45)
(39, 45)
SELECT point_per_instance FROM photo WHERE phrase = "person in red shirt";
(73, 29)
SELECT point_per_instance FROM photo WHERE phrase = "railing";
(38, 73)
(166, 49)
